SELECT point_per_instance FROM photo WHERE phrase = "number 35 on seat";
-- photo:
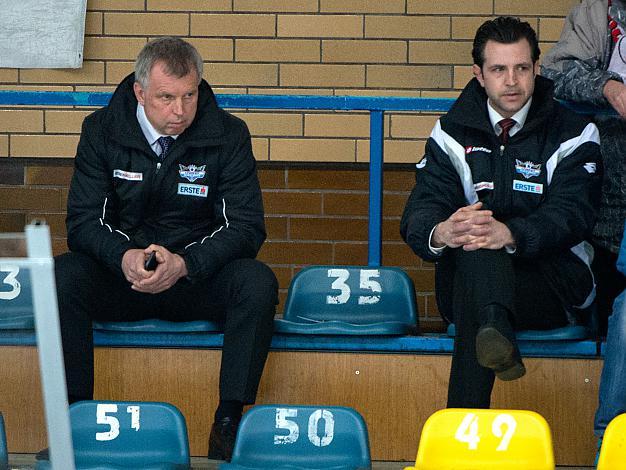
(475, 439)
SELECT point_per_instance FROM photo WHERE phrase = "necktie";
(165, 143)
(506, 125)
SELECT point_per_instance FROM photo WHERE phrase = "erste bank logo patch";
(191, 172)
(197, 190)
(527, 187)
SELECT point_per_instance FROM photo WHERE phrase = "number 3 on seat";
(465, 439)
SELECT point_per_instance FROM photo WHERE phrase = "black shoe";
(222, 439)
(43, 454)
(495, 351)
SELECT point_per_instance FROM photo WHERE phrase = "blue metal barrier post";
(376, 188)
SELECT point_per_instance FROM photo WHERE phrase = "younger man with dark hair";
(504, 198)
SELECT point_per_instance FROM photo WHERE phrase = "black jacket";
(121, 197)
(544, 184)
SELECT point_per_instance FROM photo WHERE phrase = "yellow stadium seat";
(613, 451)
(473, 439)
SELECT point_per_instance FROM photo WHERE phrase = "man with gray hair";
(164, 220)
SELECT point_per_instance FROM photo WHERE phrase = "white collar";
(148, 129)
(519, 117)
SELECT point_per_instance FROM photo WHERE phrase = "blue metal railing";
(376, 106)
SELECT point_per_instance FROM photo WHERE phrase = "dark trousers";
(243, 294)
(480, 280)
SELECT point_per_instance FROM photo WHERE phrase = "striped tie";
(506, 125)
(165, 143)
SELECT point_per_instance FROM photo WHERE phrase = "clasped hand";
(472, 228)
(171, 267)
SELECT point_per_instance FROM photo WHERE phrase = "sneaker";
(222, 439)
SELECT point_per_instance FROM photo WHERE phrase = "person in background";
(164, 220)
(504, 200)
(588, 65)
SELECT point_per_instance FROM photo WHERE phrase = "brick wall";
(313, 170)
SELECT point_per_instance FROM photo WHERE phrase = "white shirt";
(495, 117)
(150, 133)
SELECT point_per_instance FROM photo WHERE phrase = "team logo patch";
(197, 190)
(191, 172)
(590, 167)
(472, 149)
(483, 185)
(422, 163)
(127, 175)
(527, 169)
(527, 187)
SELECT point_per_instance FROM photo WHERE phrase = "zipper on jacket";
(158, 167)
(501, 150)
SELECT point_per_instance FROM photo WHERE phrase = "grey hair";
(178, 56)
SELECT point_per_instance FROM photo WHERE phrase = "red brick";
(327, 179)
(276, 228)
(274, 179)
(18, 198)
(346, 204)
(298, 253)
(399, 180)
(292, 203)
(49, 175)
(328, 229)
(56, 222)
(284, 275)
(424, 281)
(12, 222)
(351, 254)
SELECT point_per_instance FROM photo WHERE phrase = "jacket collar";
(473, 102)
(121, 124)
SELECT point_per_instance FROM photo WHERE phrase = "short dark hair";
(179, 57)
(505, 30)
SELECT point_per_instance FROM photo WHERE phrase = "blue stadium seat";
(565, 333)
(301, 437)
(16, 299)
(4, 454)
(127, 435)
(349, 300)
(159, 326)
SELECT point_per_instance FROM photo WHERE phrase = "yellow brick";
(394, 151)
(189, 5)
(14, 120)
(362, 6)
(291, 91)
(412, 126)
(550, 29)
(261, 149)
(464, 27)
(469, 7)
(545, 47)
(115, 5)
(322, 75)
(337, 125)
(233, 25)
(213, 49)
(462, 75)
(143, 24)
(534, 7)
(91, 72)
(407, 27)
(278, 6)
(312, 150)
(38, 87)
(440, 52)
(65, 122)
(112, 48)
(4, 145)
(93, 23)
(272, 124)
(101, 88)
(408, 76)
(8, 75)
(320, 26)
(117, 71)
(241, 74)
(385, 92)
(440, 94)
(277, 50)
(364, 51)
(43, 145)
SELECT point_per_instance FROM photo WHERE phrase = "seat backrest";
(4, 454)
(613, 451)
(16, 298)
(312, 437)
(128, 434)
(353, 294)
(464, 439)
